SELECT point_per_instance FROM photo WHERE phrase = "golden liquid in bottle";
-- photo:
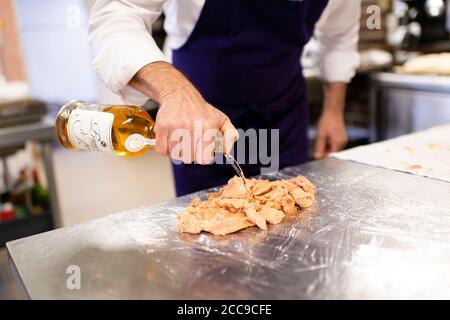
(128, 120)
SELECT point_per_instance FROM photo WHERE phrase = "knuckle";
(164, 126)
(207, 124)
(172, 125)
(158, 127)
(185, 124)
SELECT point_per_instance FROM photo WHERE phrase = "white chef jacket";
(121, 42)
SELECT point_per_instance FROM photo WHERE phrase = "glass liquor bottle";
(122, 130)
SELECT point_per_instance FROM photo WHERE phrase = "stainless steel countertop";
(412, 82)
(373, 233)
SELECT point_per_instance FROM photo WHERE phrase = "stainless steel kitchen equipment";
(21, 112)
(401, 104)
(374, 234)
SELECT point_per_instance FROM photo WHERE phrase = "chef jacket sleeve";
(337, 33)
(120, 39)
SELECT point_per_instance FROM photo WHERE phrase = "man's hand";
(186, 125)
(331, 132)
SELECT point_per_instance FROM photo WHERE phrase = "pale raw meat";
(261, 188)
(234, 189)
(288, 204)
(233, 209)
(273, 216)
(213, 219)
(302, 198)
(247, 207)
(305, 184)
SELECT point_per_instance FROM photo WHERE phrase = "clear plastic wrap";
(370, 229)
(372, 233)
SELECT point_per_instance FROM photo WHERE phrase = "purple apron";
(244, 58)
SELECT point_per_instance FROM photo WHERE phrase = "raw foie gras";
(232, 208)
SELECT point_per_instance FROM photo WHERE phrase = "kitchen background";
(45, 62)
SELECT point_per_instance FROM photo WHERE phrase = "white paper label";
(91, 130)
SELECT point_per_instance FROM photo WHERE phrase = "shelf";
(24, 227)
(42, 131)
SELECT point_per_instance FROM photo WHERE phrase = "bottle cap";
(137, 142)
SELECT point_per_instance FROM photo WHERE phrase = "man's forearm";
(159, 79)
(331, 132)
(334, 97)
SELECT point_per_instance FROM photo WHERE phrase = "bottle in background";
(39, 195)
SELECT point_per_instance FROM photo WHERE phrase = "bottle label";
(91, 130)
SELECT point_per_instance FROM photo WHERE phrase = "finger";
(198, 151)
(230, 135)
(161, 145)
(175, 146)
(344, 142)
(328, 147)
(187, 149)
(195, 135)
(320, 149)
(208, 145)
(338, 144)
(335, 145)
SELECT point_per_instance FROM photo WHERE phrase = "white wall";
(54, 40)
(89, 184)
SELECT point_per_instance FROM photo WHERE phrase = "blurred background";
(402, 86)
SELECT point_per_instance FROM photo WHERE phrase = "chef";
(233, 64)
